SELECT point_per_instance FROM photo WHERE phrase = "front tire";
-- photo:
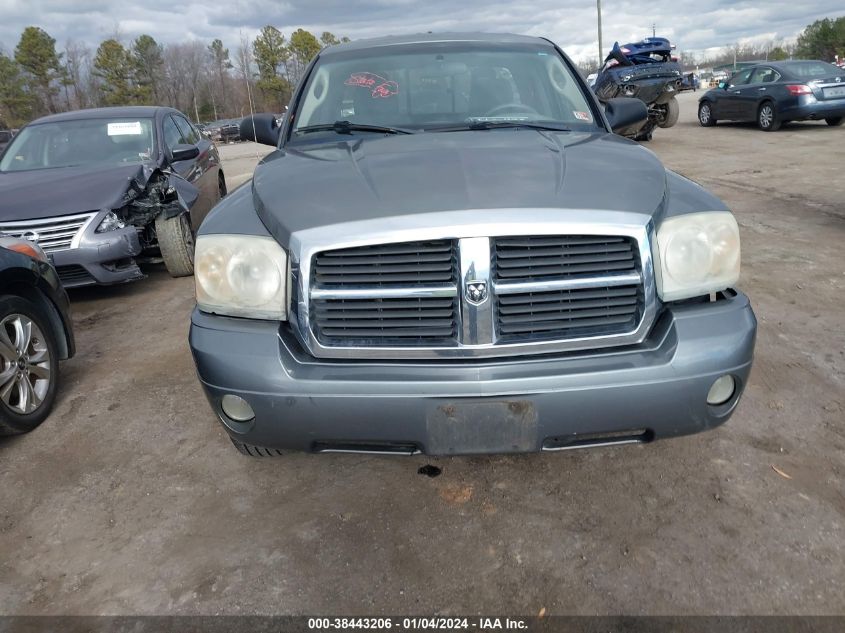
(767, 118)
(673, 111)
(176, 241)
(222, 190)
(835, 121)
(705, 114)
(29, 366)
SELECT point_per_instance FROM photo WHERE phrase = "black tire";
(222, 190)
(835, 121)
(176, 241)
(705, 114)
(767, 117)
(14, 422)
(673, 111)
(255, 451)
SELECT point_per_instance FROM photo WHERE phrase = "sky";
(695, 25)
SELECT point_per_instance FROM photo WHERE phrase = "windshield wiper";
(492, 125)
(347, 127)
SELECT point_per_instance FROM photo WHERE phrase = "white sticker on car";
(125, 128)
(583, 116)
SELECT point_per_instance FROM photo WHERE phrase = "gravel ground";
(130, 499)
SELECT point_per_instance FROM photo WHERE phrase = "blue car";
(778, 92)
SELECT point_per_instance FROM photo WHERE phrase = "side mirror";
(723, 85)
(261, 128)
(626, 115)
(184, 152)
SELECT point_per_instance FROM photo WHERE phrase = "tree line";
(202, 80)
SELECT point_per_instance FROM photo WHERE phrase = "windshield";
(426, 86)
(73, 143)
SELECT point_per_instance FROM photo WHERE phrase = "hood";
(368, 177)
(43, 193)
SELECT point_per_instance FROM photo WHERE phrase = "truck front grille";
(386, 294)
(498, 296)
(566, 286)
(51, 234)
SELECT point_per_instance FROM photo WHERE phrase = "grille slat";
(54, 234)
(538, 258)
(387, 264)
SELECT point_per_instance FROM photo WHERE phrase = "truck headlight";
(698, 254)
(241, 275)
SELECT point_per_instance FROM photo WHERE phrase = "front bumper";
(100, 258)
(653, 390)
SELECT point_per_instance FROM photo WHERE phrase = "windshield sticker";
(583, 116)
(125, 128)
(379, 87)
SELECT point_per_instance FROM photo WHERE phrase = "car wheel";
(221, 186)
(705, 114)
(255, 451)
(673, 110)
(767, 118)
(835, 121)
(176, 241)
(29, 366)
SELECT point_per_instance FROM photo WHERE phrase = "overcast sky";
(691, 24)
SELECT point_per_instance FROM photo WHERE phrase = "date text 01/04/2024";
(417, 623)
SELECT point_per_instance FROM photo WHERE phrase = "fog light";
(237, 408)
(721, 391)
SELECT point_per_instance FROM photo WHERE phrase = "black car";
(778, 92)
(99, 189)
(35, 334)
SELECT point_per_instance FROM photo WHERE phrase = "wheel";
(255, 451)
(767, 118)
(176, 241)
(835, 121)
(673, 111)
(705, 114)
(221, 186)
(29, 366)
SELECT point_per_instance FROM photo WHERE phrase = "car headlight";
(110, 222)
(241, 275)
(698, 254)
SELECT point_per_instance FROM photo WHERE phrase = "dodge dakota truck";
(452, 250)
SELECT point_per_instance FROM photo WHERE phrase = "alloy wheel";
(704, 114)
(767, 116)
(24, 364)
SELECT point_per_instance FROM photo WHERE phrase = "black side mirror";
(261, 128)
(625, 115)
(184, 152)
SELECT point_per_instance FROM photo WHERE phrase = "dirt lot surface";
(131, 500)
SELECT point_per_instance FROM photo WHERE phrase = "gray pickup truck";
(452, 252)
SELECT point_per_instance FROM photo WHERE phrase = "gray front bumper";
(653, 390)
(100, 258)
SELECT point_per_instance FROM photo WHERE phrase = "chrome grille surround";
(474, 232)
(54, 234)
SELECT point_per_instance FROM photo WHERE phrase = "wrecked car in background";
(646, 71)
(102, 189)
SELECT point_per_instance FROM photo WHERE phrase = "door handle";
(735, 92)
(761, 89)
